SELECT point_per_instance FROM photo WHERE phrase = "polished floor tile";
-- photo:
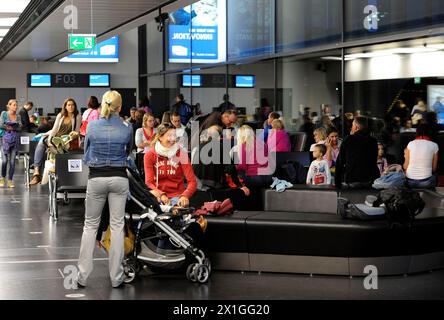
(37, 254)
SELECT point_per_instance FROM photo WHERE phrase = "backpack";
(398, 206)
(185, 112)
(402, 205)
(293, 172)
(84, 124)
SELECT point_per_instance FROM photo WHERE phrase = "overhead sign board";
(81, 41)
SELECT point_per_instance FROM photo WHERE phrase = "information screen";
(245, 81)
(191, 80)
(40, 80)
(99, 80)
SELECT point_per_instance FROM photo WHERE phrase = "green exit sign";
(418, 80)
(81, 41)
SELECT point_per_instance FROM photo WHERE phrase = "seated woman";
(333, 144)
(320, 136)
(278, 139)
(166, 166)
(215, 175)
(421, 159)
(67, 121)
(146, 134)
(252, 159)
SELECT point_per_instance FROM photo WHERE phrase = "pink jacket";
(253, 161)
(278, 141)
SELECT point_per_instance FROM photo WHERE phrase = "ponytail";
(111, 101)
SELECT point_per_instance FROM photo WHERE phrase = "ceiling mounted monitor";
(39, 80)
(194, 80)
(245, 81)
(99, 80)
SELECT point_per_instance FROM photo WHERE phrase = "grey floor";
(35, 251)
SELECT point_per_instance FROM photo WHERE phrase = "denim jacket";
(108, 142)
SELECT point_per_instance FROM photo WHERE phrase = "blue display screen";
(191, 80)
(40, 80)
(105, 51)
(99, 80)
(245, 81)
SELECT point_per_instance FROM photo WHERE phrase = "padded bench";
(320, 243)
(302, 198)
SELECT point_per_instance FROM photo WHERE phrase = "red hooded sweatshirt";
(167, 175)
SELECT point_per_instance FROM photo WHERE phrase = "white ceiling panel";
(50, 38)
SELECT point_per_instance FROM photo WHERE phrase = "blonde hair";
(111, 101)
(10, 102)
(245, 134)
(146, 116)
(161, 131)
(322, 133)
(277, 124)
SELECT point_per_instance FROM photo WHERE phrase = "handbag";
(128, 241)
(84, 125)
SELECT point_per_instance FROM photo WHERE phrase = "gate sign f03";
(81, 41)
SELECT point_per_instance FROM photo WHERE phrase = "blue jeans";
(40, 151)
(422, 184)
(8, 157)
(165, 243)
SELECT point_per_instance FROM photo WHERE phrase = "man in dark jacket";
(357, 158)
(183, 109)
(24, 116)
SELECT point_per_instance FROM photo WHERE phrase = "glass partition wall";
(305, 59)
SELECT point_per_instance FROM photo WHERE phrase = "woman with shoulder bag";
(67, 122)
(10, 125)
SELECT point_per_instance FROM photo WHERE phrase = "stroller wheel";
(130, 273)
(190, 272)
(202, 273)
(207, 262)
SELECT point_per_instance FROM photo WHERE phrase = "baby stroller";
(152, 223)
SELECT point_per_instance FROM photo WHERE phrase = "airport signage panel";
(81, 41)
(69, 80)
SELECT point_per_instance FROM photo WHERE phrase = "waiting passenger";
(320, 135)
(10, 125)
(91, 114)
(319, 172)
(357, 158)
(268, 124)
(382, 161)
(180, 128)
(183, 109)
(252, 159)
(107, 146)
(407, 126)
(24, 117)
(278, 140)
(145, 135)
(67, 121)
(226, 105)
(421, 159)
(166, 166)
(333, 144)
(45, 125)
(214, 174)
(32, 124)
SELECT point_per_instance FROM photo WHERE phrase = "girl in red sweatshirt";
(166, 165)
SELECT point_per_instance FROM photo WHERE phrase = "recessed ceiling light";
(16, 6)
(7, 22)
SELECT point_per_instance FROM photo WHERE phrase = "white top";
(140, 137)
(319, 173)
(421, 159)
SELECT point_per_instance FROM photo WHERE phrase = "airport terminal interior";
(313, 85)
